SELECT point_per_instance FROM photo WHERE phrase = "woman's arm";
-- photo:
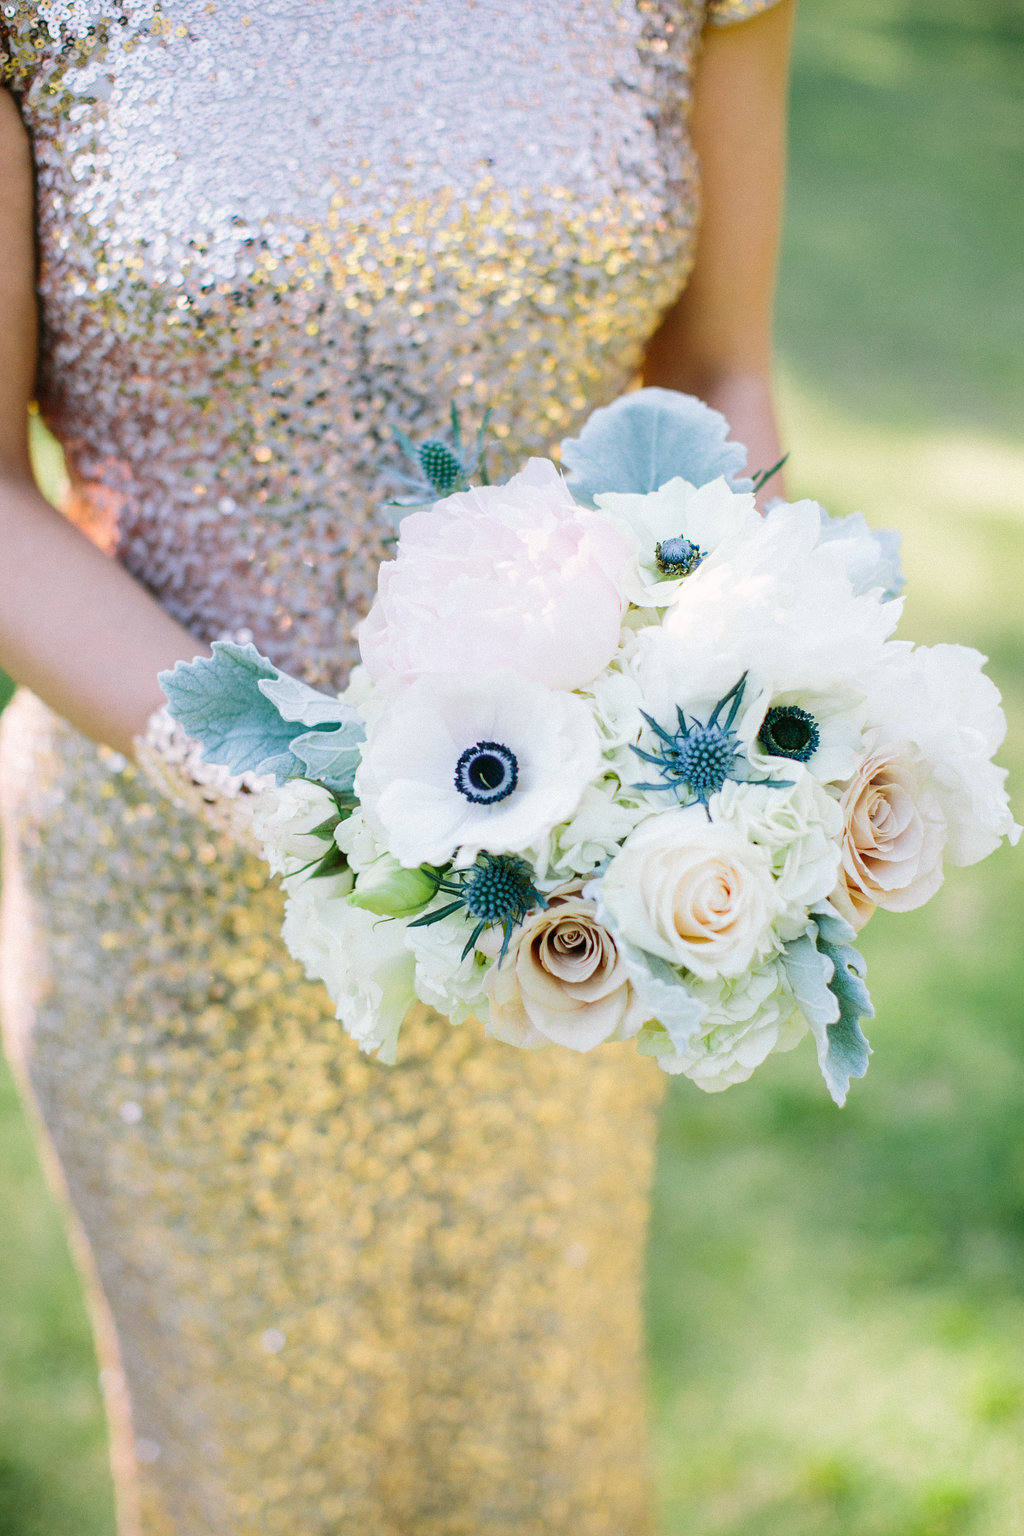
(74, 626)
(716, 342)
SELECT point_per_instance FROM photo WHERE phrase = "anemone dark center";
(487, 772)
(677, 556)
(789, 731)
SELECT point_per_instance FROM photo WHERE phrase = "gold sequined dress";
(333, 1297)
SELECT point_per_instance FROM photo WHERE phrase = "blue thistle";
(696, 760)
(497, 890)
(444, 468)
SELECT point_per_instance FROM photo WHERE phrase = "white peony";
(746, 1018)
(939, 698)
(284, 819)
(501, 576)
(361, 959)
(467, 763)
(695, 894)
(800, 827)
(676, 515)
(778, 605)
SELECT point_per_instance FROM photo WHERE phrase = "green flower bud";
(391, 891)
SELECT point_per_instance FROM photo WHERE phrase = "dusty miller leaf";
(644, 439)
(218, 701)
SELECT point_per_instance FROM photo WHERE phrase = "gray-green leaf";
(646, 438)
(218, 701)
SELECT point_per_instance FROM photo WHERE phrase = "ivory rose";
(694, 893)
(500, 576)
(565, 984)
(894, 833)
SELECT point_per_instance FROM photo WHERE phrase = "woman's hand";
(716, 341)
(74, 626)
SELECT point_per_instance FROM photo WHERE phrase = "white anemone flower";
(461, 764)
(676, 527)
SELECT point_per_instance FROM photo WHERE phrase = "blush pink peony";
(500, 577)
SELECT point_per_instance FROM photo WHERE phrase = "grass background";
(836, 1318)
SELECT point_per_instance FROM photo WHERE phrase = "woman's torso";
(270, 234)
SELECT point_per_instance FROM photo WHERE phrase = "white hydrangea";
(800, 826)
(746, 1018)
(591, 836)
(358, 841)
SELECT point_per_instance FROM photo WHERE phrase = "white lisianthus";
(361, 959)
(746, 1018)
(676, 515)
(799, 825)
(284, 819)
(466, 763)
(695, 894)
(455, 985)
(938, 697)
(500, 576)
(358, 841)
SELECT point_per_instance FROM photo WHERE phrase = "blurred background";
(836, 1297)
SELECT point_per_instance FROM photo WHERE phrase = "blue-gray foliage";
(244, 712)
(827, 978)
(874, 557)
(661, 991)
(648, 437)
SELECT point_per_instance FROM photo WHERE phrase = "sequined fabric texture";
(345, 1298)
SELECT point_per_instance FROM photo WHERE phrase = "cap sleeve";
(18, 47)
(725, 13)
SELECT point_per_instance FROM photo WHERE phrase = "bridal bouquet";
(624, 760)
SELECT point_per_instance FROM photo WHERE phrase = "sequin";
(344, 1298)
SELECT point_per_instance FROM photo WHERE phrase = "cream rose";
(894, 833)
(565, 982)
(696, 893)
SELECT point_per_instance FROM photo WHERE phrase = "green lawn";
(836, 1317)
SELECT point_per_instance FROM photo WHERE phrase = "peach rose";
(893, 836)
(695, 893)
(565, 983)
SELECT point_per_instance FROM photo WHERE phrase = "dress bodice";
(271, 233)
